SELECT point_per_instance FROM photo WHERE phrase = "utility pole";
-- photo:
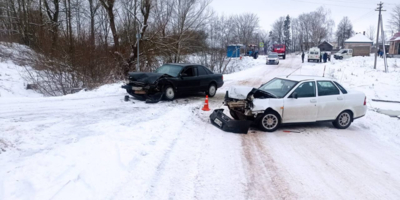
(377, 33)
(384, 48)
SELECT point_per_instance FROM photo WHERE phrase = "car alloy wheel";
(344, 119)
(212, 90)
(269, 122)
(169, 93)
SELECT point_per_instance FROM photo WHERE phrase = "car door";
(189, 80)
(330, 101)
(204, 78)
(304, 107)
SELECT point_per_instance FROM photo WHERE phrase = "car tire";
(343, 120)
(284, 57)
(169, 93)
(269, 121)
(212, 90)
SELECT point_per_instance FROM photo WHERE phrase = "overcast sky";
(361, 12)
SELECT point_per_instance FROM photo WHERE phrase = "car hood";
(273, 58)
(146, 77)
(243, 93)
(239, 92)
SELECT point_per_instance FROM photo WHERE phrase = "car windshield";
(341, 51)
(172, 70)
(278, 87)
(272, 55)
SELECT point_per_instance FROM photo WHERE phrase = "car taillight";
(222, 77)
(365, 101)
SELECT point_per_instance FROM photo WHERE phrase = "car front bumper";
(222, 121)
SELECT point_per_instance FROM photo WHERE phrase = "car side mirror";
(294, 95)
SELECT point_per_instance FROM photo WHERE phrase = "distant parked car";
(273, 58)
(314, 54)
(343, 53)
(296, 99)
(172, 79)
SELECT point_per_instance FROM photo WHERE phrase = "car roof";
(305, 78)
(183, 64)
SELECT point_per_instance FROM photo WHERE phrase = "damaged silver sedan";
(294, 99)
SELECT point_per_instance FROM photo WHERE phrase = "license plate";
(140, 92)
(137, 88)
(218, 122)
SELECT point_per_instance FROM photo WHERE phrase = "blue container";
(233, 51)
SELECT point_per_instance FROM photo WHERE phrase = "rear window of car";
(326, 88)
(201, 71)
(341, 88)
(208, 70)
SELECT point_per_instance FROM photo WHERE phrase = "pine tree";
(286, 31)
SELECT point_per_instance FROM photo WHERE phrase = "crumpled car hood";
(239, 92)
(146, 77)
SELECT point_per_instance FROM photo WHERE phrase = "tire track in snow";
(264, 178)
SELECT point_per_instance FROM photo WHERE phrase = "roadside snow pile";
(11, 82)
(105, 90)
(15, 52)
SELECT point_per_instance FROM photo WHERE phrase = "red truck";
(280, 49)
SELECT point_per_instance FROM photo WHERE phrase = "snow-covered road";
(92, 145)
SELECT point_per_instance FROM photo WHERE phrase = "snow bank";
(11, 82)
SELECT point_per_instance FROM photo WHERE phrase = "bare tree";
(277, 30)
(344, 31)
(371, 32)
(109, 7)
(53, 13)
(394, 21)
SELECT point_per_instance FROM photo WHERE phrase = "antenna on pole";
(377, 33)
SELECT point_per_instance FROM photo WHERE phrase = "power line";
(332, 4)
(362, 16)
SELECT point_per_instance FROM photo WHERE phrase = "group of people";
(324, 56)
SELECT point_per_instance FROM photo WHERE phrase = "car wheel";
(269, 121)
(169, 93)
(343, 120)
(212, 90)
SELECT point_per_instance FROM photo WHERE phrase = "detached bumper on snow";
(222, 121)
